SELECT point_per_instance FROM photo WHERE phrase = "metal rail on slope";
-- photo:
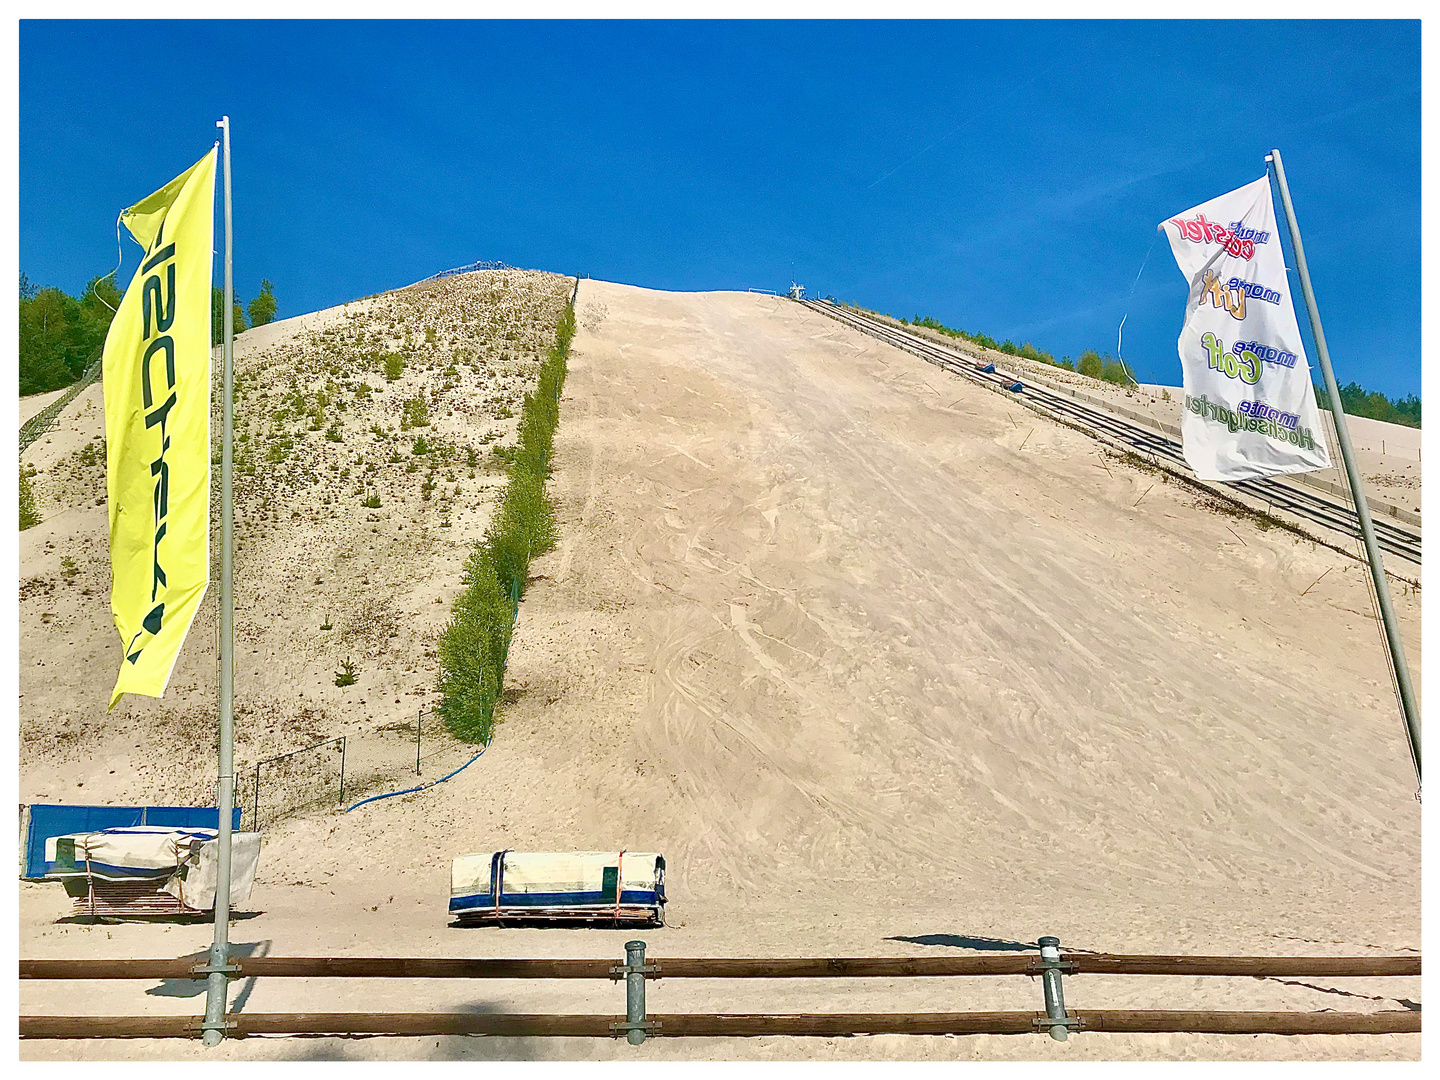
(47, 417)
(1395, 539)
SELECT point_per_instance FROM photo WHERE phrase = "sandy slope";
(308, 553)
(31, 404)
(885, 666)
(1388, 454)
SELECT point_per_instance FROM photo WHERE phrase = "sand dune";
(884, 665)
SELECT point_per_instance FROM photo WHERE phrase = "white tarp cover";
(539, 874)
(194, 883)
(183, 860)
(139, 851)
(1249, 409)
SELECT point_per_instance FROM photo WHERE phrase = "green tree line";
(1354, 398)
(61, 334)
(1357, 401)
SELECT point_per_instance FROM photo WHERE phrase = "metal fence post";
(634, 970)
(342, 768)
(418, 717)
(635, 991)
(1051, 964)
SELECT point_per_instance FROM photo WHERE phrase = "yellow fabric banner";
(157, 429)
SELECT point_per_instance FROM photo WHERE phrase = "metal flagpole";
(216, 989)
(1352, 474)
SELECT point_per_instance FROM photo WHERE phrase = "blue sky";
(1004, 177)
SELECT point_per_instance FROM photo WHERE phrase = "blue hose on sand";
(428, 784)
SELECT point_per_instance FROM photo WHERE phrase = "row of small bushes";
(1106, 368)
(474, 646)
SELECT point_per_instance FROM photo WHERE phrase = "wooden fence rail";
(636, 971)
(723, 1025)
(395, 967)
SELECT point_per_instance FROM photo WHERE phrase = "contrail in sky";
(952, 131)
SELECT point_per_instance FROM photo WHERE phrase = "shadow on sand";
(189, 988)
(177, 920)
(964, 941)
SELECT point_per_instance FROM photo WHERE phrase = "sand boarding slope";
(826, 618)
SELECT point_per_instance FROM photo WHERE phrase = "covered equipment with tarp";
(149, 870)
(609, 887)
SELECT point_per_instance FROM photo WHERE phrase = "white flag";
(1249, 407)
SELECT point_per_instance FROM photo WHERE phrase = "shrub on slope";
(474, 646)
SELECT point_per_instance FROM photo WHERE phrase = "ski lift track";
(1392, 538)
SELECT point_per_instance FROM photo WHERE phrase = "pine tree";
(262, 308)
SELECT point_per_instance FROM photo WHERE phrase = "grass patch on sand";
(29, 512)
(474, 646)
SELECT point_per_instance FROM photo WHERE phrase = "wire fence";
(331, 774)
(309, 779)
(483, 264)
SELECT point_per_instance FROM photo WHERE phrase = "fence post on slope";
(1055, 1018)
(420, 715)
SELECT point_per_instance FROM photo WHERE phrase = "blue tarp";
(48, 819)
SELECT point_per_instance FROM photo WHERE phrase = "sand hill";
(884, 664)
(321, 427)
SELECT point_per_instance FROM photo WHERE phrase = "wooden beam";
(1333, 967)
(722, 1024)
(326, 967)
(888, 967)
(423, 967)
(397, 967)
(841, 1024)
(1251, 1023)
(319, 1024)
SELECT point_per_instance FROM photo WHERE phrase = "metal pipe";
(635, 992)
(341, 800)
(420, 715)
(216, 989)
(1054, 993)
(1408, 707)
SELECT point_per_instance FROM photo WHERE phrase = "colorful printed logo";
(1258, 235)
(1241, 364)
(1254, 290)
(161, 316)
(1224, 297)
(1268, 353)
(1269, 412)
(1248, 420)
(1200, 231)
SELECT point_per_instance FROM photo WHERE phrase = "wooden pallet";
(97, 897)
(593, 914)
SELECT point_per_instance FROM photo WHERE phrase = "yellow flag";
(157, 428)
